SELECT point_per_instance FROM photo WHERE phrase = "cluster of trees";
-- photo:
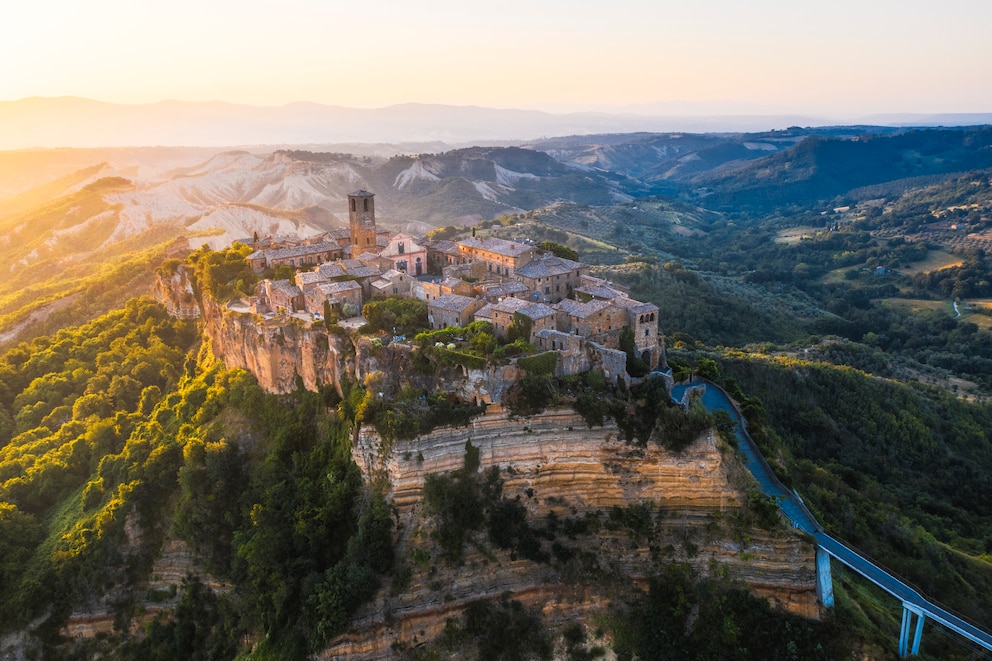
(684, 616)
(119, 425)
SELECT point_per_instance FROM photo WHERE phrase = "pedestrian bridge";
(916, 607)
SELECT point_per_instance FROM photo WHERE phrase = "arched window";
(353, 205)
(366, 201)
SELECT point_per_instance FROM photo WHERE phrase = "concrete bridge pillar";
(824, 582)
(907, 623)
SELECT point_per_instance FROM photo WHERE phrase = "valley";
(834, 281)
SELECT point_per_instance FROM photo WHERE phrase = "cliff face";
(274, 351)
(555, 464)
(176, 293)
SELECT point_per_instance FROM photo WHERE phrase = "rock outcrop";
(555, 464)
(176, 293)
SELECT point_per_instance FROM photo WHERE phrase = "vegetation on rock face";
(686, 617)
(224, 274)
(399, 315)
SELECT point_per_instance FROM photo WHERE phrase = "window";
(547, 290)
(353, 205)
(402, 248)
(366, 201)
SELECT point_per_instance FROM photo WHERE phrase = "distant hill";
(77, 122)
(821, 168)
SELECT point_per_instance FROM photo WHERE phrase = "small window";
(402, 248)
(645, 332)
(353, 205)
(366, 201)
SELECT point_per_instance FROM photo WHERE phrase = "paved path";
(713, 398)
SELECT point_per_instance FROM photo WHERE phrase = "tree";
(559, 250)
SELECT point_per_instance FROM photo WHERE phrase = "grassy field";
(936, 260)
(796, 234)
(920, 305)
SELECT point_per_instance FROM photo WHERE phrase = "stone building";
(552, 277)
(406, 254)
(300, 256)
(361, 221)
(501, 257)
(452, 310)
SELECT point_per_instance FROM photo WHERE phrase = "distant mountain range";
(77, 122)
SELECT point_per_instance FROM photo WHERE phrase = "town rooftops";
(309, 278)
(582, 310)
(510, 305)
(335, 288)
(295, 251)
(364, 271)
(330, 270)
(284, 287)
(442, 245)
(600, 290)
(452, 302)
(485, 313)
(339, 233)
(536, 311)
(636, 307)
(548, 265)
(497, 246)
(507, 288)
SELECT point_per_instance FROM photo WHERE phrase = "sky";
(844, 57)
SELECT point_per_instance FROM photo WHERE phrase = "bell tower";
(361, 221)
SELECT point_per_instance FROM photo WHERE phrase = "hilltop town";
(564, 308)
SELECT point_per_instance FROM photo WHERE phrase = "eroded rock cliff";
(560, 468)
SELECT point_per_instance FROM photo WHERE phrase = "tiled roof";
(485, 313)
(444, 246)
(634, 306)
(333, 288)
(285, 287)
(547, 266)
(309, 278)
(582, 310)
(510, 305)
(331, 270)
(507, 288)
(364, 271)
(600, 291)
(536, 310)
(452, 302)
(498, 246)
(297, 251)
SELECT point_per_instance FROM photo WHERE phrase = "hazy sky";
(843, 56)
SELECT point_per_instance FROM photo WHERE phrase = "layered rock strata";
(555, 463)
